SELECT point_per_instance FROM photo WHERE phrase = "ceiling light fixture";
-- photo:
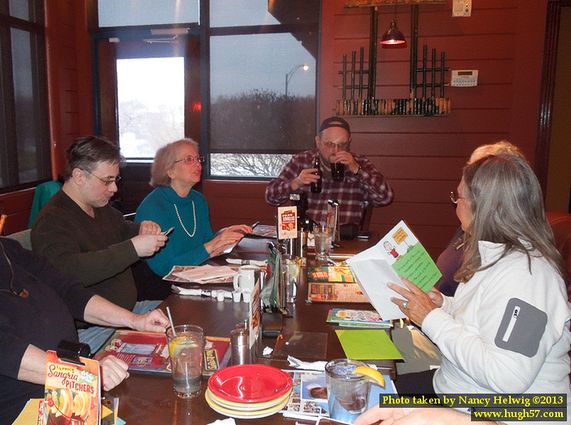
(393, 36)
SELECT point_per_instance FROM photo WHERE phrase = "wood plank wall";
(423, 157)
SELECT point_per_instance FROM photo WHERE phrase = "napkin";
(227, 421)
(205, 274)
(241, 262)
(200, 292)
(293, 362)
(189, 291)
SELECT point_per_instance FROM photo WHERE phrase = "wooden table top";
(149, 399)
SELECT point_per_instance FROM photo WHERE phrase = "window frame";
(106, 123)
(242, 30)
(9, 160)
(199, 92)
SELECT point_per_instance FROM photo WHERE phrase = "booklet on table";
(357, 318)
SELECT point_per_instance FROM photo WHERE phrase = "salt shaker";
(239, 339)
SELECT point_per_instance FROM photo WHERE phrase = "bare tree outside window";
(247, 164)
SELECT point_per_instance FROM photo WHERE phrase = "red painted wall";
(422, 157)
(70, 95)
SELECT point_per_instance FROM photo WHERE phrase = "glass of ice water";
(322, 239)
(186, 348)
(347, 393)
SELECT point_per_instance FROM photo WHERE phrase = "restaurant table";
(150, 399)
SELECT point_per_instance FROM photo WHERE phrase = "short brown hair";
(165, 159)
(86, 151)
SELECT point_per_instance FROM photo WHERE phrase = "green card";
(368, 344)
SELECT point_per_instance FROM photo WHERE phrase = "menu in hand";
(398, 253)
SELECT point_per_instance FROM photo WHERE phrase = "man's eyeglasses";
(108, 181)
(190, 159)
(340, 146)
(454, 198)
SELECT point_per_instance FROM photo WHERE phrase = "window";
(242, 83)
(153, 117)
(146, 79)
(121, 13)
(25, 154)
(262, 84)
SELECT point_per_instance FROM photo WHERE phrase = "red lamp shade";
(393, 36)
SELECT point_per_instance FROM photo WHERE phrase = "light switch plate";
(461, 8)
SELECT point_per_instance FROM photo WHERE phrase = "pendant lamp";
(393, 36)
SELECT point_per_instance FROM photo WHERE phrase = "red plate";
(250, 383)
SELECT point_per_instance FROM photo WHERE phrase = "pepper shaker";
(239, 339)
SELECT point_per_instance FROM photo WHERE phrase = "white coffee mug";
(245, 279)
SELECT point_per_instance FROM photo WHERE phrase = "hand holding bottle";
(306, 177)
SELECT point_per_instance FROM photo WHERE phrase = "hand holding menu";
(398, 253)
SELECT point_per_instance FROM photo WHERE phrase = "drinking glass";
(290, 275)
(186, 350)
(337, 171)
(322, 238)
(347, 393)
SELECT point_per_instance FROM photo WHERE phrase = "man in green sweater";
(85, 238)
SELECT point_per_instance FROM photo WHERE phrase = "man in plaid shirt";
(362, 181)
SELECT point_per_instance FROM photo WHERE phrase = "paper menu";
(200, 274)
(372, 277)
(398, 253)
(337, 315)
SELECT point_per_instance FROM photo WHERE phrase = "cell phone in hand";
(168, 231)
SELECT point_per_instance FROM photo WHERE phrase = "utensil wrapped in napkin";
(241, 262)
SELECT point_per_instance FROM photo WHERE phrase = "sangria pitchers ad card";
(287, 222)
(72, 392)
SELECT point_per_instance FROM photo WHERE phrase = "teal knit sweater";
(183, 248)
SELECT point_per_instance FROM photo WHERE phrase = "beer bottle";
(316, 187)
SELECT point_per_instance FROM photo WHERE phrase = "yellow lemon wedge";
(372, 374)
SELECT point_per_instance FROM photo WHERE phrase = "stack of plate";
(248, 391)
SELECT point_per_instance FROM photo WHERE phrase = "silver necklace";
(190, 235)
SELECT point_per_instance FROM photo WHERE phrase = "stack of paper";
(200, 274)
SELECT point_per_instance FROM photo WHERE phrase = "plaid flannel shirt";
(368, 184)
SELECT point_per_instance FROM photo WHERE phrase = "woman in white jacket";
(506, 330)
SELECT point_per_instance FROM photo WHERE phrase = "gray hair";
(165, 159)
(507, 206)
